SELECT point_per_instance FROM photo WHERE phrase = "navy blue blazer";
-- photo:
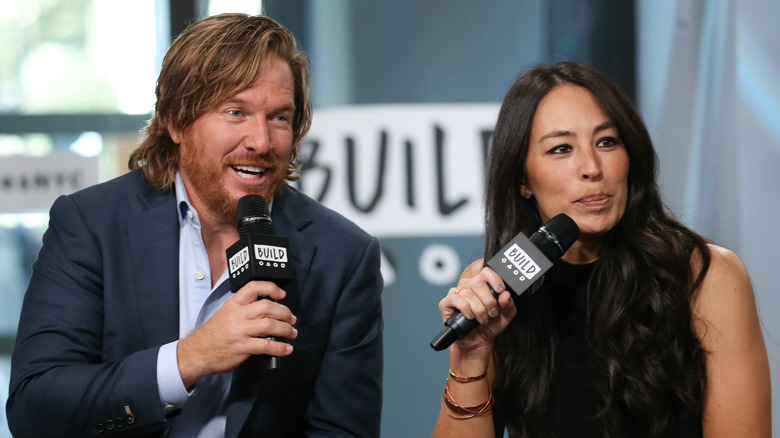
(104, 296)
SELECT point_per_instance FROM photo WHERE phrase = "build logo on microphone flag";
(518, 263)
(265, 255)
(238, 263)
(275, 256)
(525, 267)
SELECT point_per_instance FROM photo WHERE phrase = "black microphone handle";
(456, 327)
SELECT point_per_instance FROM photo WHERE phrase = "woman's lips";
(594, 201)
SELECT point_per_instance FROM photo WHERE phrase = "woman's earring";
(526, 192)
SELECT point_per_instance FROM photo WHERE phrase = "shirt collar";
(183, 201)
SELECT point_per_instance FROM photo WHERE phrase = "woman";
(642, 329)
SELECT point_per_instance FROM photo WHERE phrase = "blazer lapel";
(153, 242)
(290, 219)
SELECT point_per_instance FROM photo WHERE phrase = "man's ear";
(173, 133)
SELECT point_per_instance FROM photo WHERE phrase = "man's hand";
(237, 331)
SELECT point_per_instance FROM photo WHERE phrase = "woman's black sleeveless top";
(574, 399)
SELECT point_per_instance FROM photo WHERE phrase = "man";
(129, 325)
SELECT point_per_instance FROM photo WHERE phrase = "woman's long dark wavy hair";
(650, 367)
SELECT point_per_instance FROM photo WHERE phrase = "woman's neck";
(584, 250)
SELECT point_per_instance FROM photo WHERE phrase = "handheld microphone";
(258, 254)
(521, 264)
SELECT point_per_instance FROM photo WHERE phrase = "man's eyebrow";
(289, 106)
(234, 99)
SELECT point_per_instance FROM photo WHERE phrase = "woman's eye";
(560, 149)
(608, 141)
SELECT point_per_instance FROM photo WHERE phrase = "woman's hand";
(471, 356)
(473, 298)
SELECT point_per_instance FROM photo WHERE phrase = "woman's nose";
(590, 167)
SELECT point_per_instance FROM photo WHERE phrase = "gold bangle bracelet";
(460, 379)
(458, 412)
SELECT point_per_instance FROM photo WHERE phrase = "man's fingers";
(269, 309)
(255, 290)
(271, 347)
(265, 327)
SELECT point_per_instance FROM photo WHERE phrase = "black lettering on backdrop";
(409, 174)
(42, 181)
(308, 157)
(445, 208)
(487, 137)
(380, 175)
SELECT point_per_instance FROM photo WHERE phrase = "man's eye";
(282, 118)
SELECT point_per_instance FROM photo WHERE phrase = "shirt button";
(200, 275)
(190, 214)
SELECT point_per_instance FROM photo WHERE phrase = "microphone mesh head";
(252, 216)
(556, 236)
(565, 228)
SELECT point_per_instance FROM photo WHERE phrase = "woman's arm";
(470, 359)
(738, 394)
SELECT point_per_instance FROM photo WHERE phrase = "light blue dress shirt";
(204, 407)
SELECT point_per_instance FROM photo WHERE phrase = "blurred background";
(406, 93)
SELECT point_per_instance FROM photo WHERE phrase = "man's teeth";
(249, 171)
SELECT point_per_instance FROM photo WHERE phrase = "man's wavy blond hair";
(211, 61)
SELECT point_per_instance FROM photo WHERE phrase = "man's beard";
(205, 180)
